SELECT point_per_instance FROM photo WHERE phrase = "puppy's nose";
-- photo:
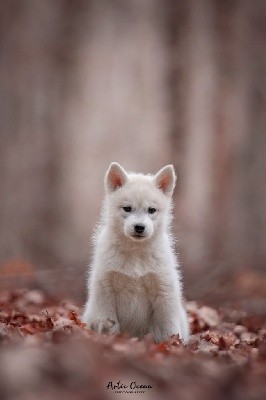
(139, 228)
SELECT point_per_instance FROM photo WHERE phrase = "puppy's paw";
(162, 335)
(105, 325)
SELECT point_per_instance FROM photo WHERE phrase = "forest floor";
(46, 353)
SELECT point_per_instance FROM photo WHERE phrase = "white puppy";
(134, 284)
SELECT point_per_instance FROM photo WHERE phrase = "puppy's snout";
(139, 228)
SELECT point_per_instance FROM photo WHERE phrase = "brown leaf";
(72, 315)
(209, 316)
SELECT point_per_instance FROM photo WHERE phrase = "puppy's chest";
(144, 285)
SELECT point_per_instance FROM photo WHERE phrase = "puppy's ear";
(165, 180)
(115, 177)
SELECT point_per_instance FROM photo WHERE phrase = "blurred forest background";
(144, 83)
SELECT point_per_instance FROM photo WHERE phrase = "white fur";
(135, 285)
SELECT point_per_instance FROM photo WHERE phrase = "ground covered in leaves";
(47, 353)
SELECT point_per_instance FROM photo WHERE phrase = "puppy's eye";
(151, 210)
(127, 209)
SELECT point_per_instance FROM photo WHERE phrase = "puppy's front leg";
(169, 318)
(100, 312)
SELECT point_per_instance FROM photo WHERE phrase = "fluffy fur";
(134, 285)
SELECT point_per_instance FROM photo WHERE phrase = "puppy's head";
(138, 205)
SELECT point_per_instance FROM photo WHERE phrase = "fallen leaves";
(48, 353)
(209, 316)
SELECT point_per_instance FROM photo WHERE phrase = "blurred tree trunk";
(38, 43)
(221, 198)
(240, 164)
(29, 98)
(237, 129)
(246, 241)
(196, 192)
